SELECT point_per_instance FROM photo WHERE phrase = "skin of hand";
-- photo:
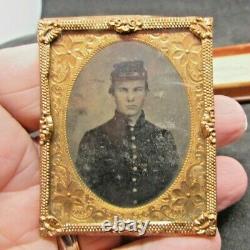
(19, 163)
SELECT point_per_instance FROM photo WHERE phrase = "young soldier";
(128, 161)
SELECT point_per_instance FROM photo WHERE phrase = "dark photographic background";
(232, 22)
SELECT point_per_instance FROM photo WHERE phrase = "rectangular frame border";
(48, 31)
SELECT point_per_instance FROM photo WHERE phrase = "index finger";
(19, 84)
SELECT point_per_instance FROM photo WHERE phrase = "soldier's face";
(129, 96)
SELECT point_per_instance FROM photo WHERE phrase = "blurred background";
(18, 22)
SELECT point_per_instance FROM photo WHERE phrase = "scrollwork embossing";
(189, 197)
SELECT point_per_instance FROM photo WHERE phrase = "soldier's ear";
(111, 90)
(146, 86)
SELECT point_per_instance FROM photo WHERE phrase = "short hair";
(129, 70)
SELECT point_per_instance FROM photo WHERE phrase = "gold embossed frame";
(70, 50)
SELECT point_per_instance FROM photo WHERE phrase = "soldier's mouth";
(131, 106)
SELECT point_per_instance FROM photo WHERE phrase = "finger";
(99, 242)
(19, 171)
(25, 233)
(39, 244)
(231, 181)
(230, 120)
(26, 202)
(19, 159)
(174, 243)
(19, 84)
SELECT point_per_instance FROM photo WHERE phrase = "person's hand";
(19, 163)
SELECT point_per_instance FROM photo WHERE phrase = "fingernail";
(231, 111)
(226, 106)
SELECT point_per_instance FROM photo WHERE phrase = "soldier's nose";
(130, 97)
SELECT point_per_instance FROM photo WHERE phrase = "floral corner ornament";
(46, 127)
(205, 224)
(48, 32)
(202, 28)
(126, 26)
(49, 225)
(207, 125)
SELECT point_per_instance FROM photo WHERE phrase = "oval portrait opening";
(128, 123)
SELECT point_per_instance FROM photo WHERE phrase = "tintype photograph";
(128, 123)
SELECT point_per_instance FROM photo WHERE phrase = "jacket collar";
(119, 127)
(123, 120)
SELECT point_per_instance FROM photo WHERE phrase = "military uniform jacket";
(124, 165)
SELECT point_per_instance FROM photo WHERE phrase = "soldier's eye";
(123, 90)
(139, 89)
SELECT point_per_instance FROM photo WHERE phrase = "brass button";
(135, 201)
(133, 146)
(131, 128)
(134, 190)
(134, 179)
(132, 138)
(135, 168)
(134, 157)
